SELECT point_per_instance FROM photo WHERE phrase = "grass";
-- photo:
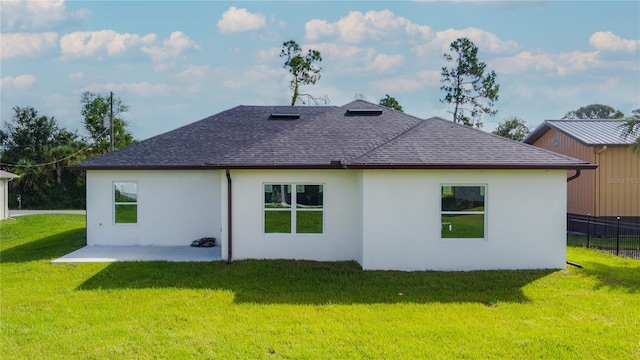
(303, 309)
(626, 242)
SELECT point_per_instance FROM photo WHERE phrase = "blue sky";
(177, 62)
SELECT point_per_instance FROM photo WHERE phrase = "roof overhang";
(341, 165)
(547, 125)
(475, 166)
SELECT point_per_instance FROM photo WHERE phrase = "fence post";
(588, 228)
(618, 236)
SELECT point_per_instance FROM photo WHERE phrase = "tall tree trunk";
(294, 98)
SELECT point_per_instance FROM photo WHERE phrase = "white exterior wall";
(384, 219)
(525, 220)
(175, 207)
(342, 227)
(4, 198)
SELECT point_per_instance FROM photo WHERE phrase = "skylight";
(364, 111)
(283, 116)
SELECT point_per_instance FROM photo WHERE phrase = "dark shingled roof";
(327, 137)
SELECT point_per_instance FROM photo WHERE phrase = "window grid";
(125, 202)
(466, 223)
(302, 218)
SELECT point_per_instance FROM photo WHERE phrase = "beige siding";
(580, 192)
(619, 182)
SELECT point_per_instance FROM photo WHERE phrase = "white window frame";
(293, 209)
(483, 212)
(115, 203)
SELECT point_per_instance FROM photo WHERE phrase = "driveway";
(14, 213)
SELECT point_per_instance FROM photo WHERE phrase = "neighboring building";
(611, 190)
(5, 177)
(357, 182)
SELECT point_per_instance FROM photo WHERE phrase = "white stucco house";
(5, 177)
(356, 182)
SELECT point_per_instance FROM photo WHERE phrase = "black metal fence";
(617, 235)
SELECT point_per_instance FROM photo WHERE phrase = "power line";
(54, 162)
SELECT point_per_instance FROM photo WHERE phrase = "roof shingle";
(328, 136)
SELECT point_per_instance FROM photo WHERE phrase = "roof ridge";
(585, 120)
(297, 123)
(422, 122)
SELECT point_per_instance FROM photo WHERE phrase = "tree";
(467, 87)
(595, 111)
(31, 136)
(96, 110)
(390, 102)
(631, 127)
(305, 70)
(514, 128)
(38, 150)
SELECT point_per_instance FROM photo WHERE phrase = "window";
(463, 211)
(125, 200)
(299, 214)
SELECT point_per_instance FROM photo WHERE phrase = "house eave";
(139, 167)
(476, 166)
(340, 165)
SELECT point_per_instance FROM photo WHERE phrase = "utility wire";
(56, 161)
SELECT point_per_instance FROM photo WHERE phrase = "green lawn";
(626, 243)
(303, 309)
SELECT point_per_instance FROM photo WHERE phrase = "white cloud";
(386, 63)
(430, 77)
(345, 55)
(20, 82)
(268, 55)
(237, 20)
(484, 40)
(523, 62)
(609, 41)
(76, 75)
(177, 44)
(577, 61)
(25, 44)
(37, 15)
(561, 64)
(400, 85)
(357, 27)
(193, 73)
(138, 89)
(89, 43)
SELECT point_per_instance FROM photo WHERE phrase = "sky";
(174, 63)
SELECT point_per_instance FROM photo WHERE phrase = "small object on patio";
(204, 242)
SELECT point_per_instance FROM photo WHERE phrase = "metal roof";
(588, 132)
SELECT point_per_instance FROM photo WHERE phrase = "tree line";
(469, 87)
(39, 150)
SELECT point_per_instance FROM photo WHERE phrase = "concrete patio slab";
(97, 253)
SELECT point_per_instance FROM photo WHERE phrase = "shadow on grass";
(615, 277)
(308, 282)
(47, 248)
